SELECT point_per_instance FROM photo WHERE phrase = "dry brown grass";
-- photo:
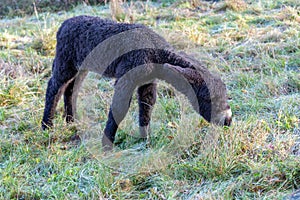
(236, 5)
(255, 48)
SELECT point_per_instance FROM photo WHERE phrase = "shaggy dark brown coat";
(78, 36)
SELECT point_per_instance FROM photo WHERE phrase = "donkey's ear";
(190, 74)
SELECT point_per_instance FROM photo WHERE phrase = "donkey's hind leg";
(71, 94)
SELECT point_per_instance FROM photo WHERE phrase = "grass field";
(253, 45)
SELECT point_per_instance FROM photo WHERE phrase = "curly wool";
(76, 39)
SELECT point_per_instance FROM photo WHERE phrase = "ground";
(253, 45)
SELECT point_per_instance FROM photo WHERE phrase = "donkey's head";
(209, 98)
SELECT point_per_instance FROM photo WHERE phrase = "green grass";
(255, 47)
